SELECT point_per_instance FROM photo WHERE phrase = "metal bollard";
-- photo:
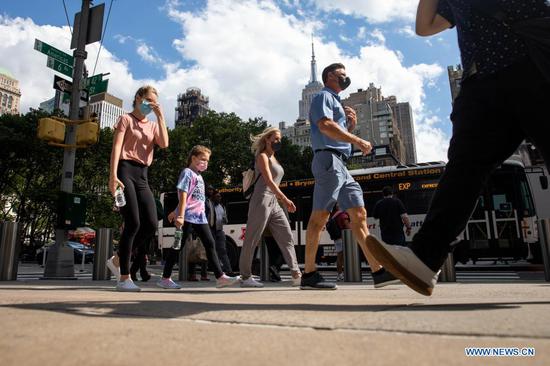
(9, 251)
(544, 235)
(264, 261)
(448, 272)
(103, 251)
(352, 264)
(183, 265)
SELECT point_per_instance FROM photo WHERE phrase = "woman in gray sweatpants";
(264, 210)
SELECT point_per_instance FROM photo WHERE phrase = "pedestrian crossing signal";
(51, 130)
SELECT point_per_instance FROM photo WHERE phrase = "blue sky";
(249, 56)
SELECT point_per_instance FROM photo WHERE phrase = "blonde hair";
(196, 151)
(258, 141)
(143, 91)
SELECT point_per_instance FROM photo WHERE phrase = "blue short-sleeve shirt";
(326, 104)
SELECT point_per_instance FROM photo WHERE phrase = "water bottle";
(120, 200)
(177, 239)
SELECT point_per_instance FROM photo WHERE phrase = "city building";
(377, 122)
(107, 107)
(190, 105)
(403, 114)
(10, 94)
(455, 78)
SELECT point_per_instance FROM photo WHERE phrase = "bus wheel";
(233, 252)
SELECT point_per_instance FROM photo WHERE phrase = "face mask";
(276, 146)
(344, 82)
(202, 166)
(145, 108)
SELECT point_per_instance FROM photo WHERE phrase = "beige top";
(140, 138)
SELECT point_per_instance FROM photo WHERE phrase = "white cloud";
(362, 33)
(375, 11)
(378, 36)
(407, 31)
(147, 53)
(256, 64)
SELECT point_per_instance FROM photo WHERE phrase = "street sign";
(60, 67)
(95, 25)
(53, 52)
(98, 88)
(66, 86)
(92, 80)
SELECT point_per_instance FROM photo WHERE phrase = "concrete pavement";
(87, 323)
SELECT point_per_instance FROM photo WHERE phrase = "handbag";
(249, 182)
(535, 33)
(195, 251)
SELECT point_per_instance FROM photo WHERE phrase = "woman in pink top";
(133, 142)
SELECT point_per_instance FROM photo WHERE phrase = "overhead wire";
(103, 36)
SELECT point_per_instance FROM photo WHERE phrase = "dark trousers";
(491, 117)
(139, 213)
(221, 249)
(204, 233)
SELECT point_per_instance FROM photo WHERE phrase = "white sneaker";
(225, 281)
(340, 277)
(168, 283)
(296, 282)
(114, 269)
(251, 282)
(127, 286)
(403, 264)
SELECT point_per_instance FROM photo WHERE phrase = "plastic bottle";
(120, 200)
(177, 239)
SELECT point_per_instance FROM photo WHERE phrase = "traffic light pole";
(60, 261)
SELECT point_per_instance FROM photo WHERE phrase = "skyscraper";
(107, 107)
(9, 93)
(313, 87)
(190, 106)
(404, 117)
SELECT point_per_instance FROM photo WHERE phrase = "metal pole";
(183, 266)
(544, 235)
(448, 272)
(9, 251)
(352, 265)
(60, 263)
(264, 261)
(103, 251)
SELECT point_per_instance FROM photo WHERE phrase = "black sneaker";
(383, 278)
(314, 281)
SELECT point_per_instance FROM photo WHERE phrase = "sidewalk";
(87, 323)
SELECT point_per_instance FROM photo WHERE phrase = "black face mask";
(344, 82)
(276, 146)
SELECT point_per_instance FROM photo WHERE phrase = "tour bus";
(502, 226)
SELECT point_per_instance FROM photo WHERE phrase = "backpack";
(249, 182)
(334, 231)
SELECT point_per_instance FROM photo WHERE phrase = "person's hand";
(364, 146)
(171, 216)
(114, 183)
(156, 109)
(408, 231)
(351, 118)
(290, 205)
(179, 222)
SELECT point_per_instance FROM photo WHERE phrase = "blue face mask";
(145, 108)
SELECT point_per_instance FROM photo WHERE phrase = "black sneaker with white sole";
(383, 278)
(315, 281)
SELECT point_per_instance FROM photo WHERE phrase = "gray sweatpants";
(265, 211)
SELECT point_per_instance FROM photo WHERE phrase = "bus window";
(526, 199)
(237, 212)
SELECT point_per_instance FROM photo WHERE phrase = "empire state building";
(312, 88)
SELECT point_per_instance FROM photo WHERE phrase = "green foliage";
(30, 170)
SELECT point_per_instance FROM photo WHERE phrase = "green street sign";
(92, 80)
(53, 52)
(98, 88)
(60, 67)
(66, 98)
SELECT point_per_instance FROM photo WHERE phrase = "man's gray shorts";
(333, 183)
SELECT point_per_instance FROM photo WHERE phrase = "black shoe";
(274, 274)
(383, 278)
(145, 276)
(314, 281)
(133, 276)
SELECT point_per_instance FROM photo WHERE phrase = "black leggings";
(204, 233)
(139, 213)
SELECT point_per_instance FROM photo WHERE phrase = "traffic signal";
(87, 133)
(51, 130)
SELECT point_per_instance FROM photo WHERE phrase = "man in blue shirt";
(501, 103)
(331, 137)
